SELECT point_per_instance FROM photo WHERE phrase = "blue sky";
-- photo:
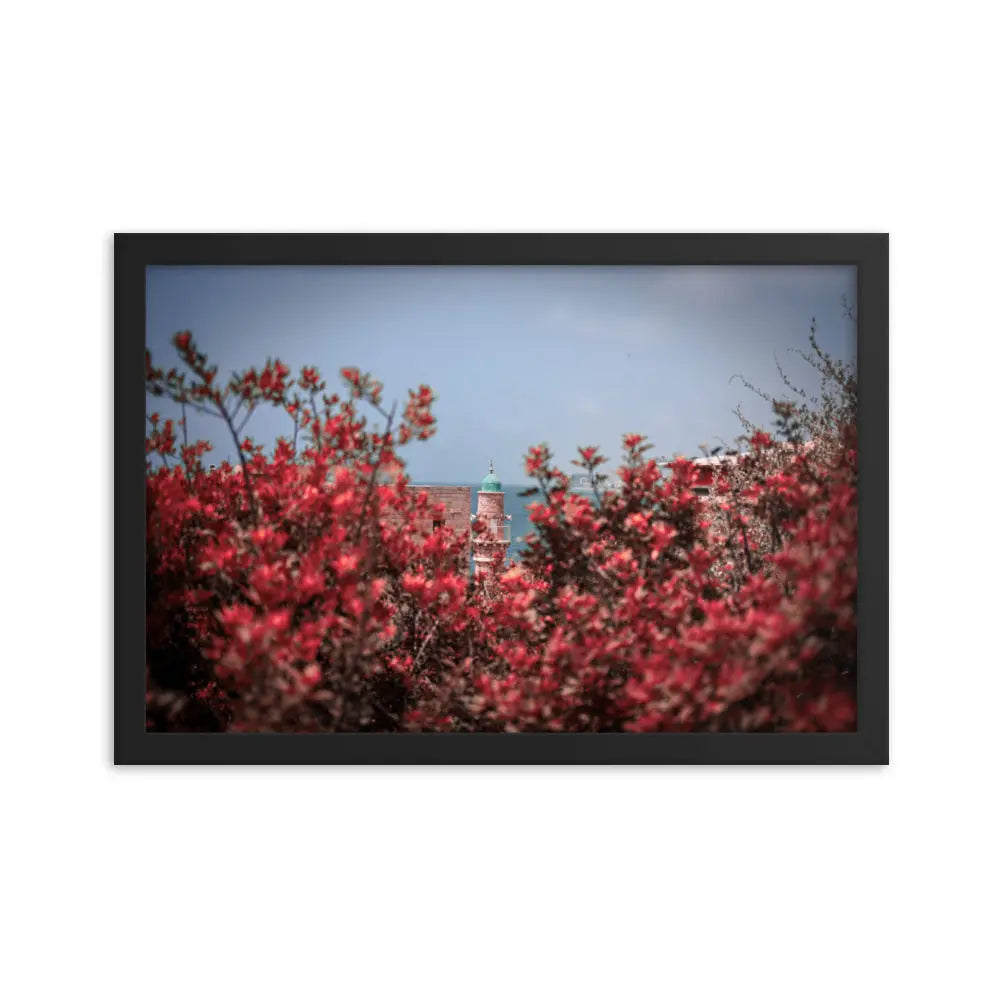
(517, 355)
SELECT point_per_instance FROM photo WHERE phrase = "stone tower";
(489, 512)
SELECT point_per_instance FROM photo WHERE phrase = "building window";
(438, 525)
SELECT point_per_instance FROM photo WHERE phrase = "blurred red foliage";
(300, 591)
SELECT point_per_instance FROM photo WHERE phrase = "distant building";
(586, 482)
(457, 515)
(706, 470)
(457, 503)
(495, 535)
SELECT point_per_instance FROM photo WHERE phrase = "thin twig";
(251, 496)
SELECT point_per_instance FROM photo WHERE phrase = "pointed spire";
(491, 466)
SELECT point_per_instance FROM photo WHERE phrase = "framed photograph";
(508, 498)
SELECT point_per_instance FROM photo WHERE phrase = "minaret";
(489, 513)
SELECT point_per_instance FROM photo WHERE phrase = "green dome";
(491, 484)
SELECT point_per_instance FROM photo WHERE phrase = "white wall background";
(497, 883)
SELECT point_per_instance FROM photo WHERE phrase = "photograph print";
(501, 499)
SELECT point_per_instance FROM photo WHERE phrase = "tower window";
(438, 525)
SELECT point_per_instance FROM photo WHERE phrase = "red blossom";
(318, 601)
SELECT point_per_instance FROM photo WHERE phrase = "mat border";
(133, 253)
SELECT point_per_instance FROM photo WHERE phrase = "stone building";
(458, 516)
(457, 503)
(495, 536)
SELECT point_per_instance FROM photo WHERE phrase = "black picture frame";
(133, 253)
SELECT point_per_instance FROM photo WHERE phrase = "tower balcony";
(496, 532)
(499, 536)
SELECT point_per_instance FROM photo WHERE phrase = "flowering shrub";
(303, 591)
(287, 593)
